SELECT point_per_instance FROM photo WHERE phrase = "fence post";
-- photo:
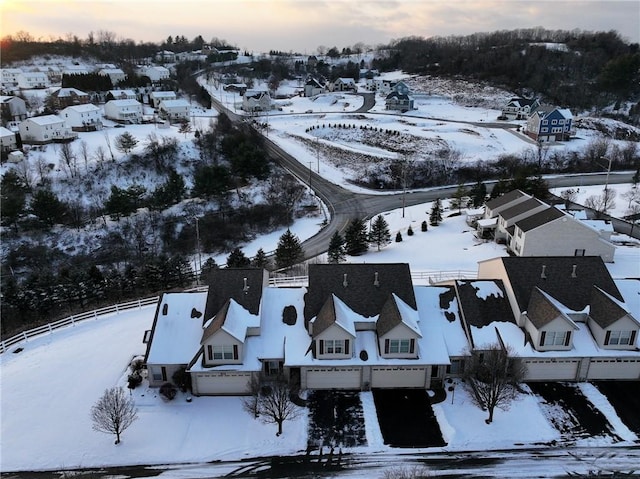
(49, 326)
(73, 320)
(117, 308)
(24, 335)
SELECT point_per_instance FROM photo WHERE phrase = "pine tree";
(336, 249)
(126, 142)
(237, 259)
(289, 250)
(47, 207)
(355, 238)
(458, 196)
(424, 226)
(478, 194)
(398, 237)
(379, 234)
(436, 213)
(260, 260)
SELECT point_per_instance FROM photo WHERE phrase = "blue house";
(550, 125)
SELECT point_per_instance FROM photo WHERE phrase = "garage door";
(398, 377)
(614, 369)
(333, 378)
(229, 383)
(548, 370)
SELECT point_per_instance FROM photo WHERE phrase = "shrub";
(134, 379)
(182, 379)
(424, 226)
(137, 365)
(398, 237)
(168, 391)
(410, 231)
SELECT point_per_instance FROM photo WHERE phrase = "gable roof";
(362, 287)
(522, 102)
(45, 120)
(540, 218)
(176, 334)
(233, 319)
(543, 309)
(395, 312)
(87, 107)
(333, 312)
(65, 92)
(555, 275)
(605, 309)
(520, 208)
(243, 285)
(482, 302)
(505, 199)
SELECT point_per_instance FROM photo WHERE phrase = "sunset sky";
(303, 25)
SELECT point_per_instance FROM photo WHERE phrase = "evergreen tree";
(478, 194)
(237, 259)
(379, 234)
(185, 127)
(47, 207)
(289, 250)
(398, 237)
(12, 198)
(436, 213)
(458, 196)
(260, 260)
(336, 249)
(424, 226)
(355, 238)
(126, 142)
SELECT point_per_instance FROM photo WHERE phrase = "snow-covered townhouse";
(9, 77)
(121, 95)
(553, 124)
(64, 97)
(87, 117)
(174, 110)
(155, 73)
(155, 97)
(13, 108)
(7, 140)
(32, 80)
(123, 111)
(116, 75)
(520, 108)
(256, 101)
(40, 130)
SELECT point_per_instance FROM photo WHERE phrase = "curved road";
(345, 205)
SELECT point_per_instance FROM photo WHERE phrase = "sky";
(304, 25)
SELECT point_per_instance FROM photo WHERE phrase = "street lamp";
(606, 184)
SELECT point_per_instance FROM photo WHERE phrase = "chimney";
(345, 283)
(245, 288)
(543, 274)
(573, 271)
(376, 282)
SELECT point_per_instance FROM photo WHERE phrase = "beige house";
(508, 217)
(39, 130)
(86, 117)
(174, 110)
(123, 111)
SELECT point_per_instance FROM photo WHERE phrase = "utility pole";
(199, 265)
(318, 153)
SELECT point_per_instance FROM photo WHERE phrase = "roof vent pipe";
(543, 275)
(345, 283)
(573, 271)
(376, 282)
(245, 288)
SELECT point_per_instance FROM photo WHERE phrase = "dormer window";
(618, 337)
(555, 338)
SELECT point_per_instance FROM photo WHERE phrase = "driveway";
(624, 396)
(406, 418)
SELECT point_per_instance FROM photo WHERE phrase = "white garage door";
(614, 369)
(333, 378)
(548, 370)
(398, 377)
(229, 383)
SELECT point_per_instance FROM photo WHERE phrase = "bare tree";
(100, 156)
(492, 376)
(114, 412)
(270, 400)
(603, 203)
(569, 196)
(68, 159)
(83, 151)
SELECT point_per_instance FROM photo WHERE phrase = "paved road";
(345, 205)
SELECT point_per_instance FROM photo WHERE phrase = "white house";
(123, 111)
(520, 108)
(508, 217)
(166, 56)
(86, 117)
(14, 107)
(256, 100)
(32, 80)
(7, 139)
(175, 110)
(155, 97)
(10, 76)
(122, 95)
(115, 74)
(344, 84)
(155, 73)
(45, 129)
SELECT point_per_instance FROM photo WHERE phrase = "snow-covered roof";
(6, 133)
(176, 334)
(124, 102)
(163, 94)
(87, 107)
(175, 103)
(45, 120)
(233, 319)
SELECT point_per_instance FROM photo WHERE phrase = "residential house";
(64, 97)
(550, 125)
(52, 71)
(551, 232)
(155, 97)
(116, 75)
(166, 56)
(398, 102)
(13, 108)
(85, 117)
(40, 130)
(7, 140)
(155, 73)
(508, 217)
(32, 80)
(520, 108)
(256, 101)
(75, 70)
(123, 111)
(344, 84)
(121, 95)
(10, 76)
(174, 110)
(313, 87)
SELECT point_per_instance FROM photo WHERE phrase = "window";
(398, 346)
(619, 337)
(334, 346)
(225, 351)
(554, 122)
(555, 338)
